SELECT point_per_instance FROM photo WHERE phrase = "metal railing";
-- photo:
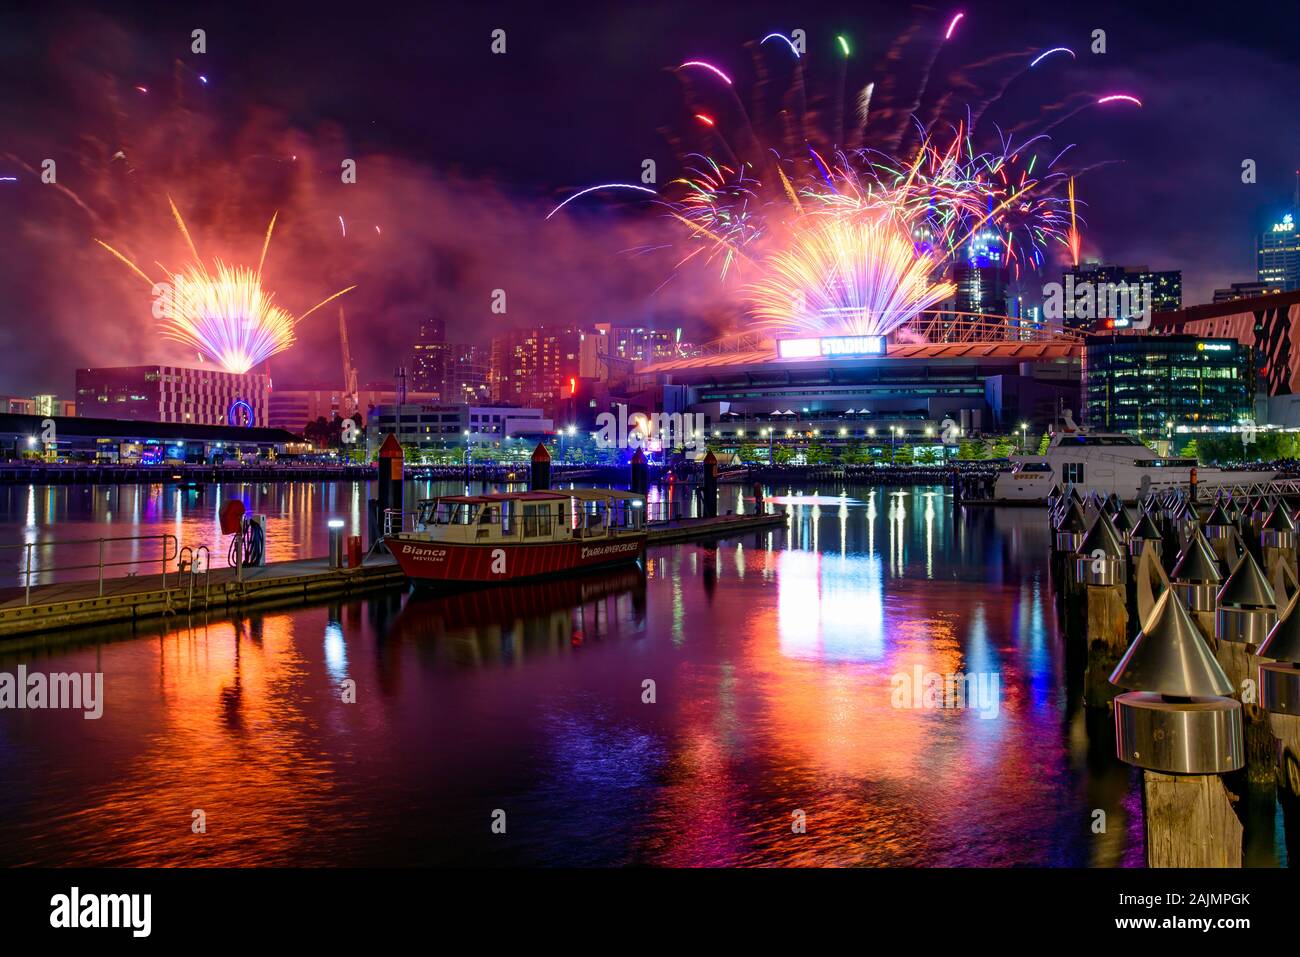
(194, 554)
(169, 549)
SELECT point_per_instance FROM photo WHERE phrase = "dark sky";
(462, 152)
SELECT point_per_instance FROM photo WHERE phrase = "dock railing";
(169, 549)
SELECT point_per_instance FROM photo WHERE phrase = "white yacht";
(1109, 462)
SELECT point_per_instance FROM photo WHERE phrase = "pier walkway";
(72, 604)
(61, 606)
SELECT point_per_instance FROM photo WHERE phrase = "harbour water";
(776, 734)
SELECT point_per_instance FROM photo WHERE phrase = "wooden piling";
(1190, 821)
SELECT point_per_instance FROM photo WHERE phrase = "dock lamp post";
(767, 434)
(1024, 427)
(468, 457)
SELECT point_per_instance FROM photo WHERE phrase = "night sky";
(461, 153)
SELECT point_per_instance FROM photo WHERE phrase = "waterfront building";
(1154, 385)
(136, 442)
(162, 393)
(1269, 326)
(294, 408)
(434, 426)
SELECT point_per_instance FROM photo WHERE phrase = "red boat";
(520, 535)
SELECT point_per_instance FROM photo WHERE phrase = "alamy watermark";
(82, 691)
(665, 430)
(1128, 302)
(976, 691)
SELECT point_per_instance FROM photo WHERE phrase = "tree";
(1004, 447)
(904, 455)
(1044, 442)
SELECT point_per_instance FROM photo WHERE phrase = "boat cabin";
(531, 517)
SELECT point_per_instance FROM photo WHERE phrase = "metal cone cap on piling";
(1283, 642)
(1073, 520)
(1247, 587)
(1218, 518)
(1169, 657)
(1123, 520)
(1278, 520)
(1197, 564)
(1146, 529)
(1102, 536)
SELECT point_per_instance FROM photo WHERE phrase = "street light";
(1024, 426)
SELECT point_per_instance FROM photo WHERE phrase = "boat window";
(491, 515)
(1166, 463)
(1072, 472)
(1034, 467)
(454, 513)
(1092, 441)
(537, 520)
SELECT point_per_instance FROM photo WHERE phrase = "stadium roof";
(926, 351)
(1217, 310)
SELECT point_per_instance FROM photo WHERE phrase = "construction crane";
(348, 401)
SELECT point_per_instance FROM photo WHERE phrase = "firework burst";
(818, 228)
(223, 312)
(846, 276)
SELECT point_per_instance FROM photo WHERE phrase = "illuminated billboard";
(831, 347)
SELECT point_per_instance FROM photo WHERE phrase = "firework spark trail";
(856, 278)
(223, 313)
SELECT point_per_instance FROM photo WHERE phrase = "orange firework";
(223, 312)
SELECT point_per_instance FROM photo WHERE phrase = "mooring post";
(640, 480)
(1279, 696)
(1196, 578)
(392, 461)
(1277, 540)
(1246, 613)
(710, 489)
(1219, 530)
(539, 478)
(1175, 722)
(1100, 568)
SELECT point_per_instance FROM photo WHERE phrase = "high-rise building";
(638, 343)
(1102, 280)
(982, 279)
(455, 371)
(158, 393)
(538, 367)
(1277, 255)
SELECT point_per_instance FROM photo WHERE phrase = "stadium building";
(983, 376)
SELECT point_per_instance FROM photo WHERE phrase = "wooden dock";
(63, 606)
(73, 604)
(691, 529)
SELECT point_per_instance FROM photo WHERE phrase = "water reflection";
(678, 716)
